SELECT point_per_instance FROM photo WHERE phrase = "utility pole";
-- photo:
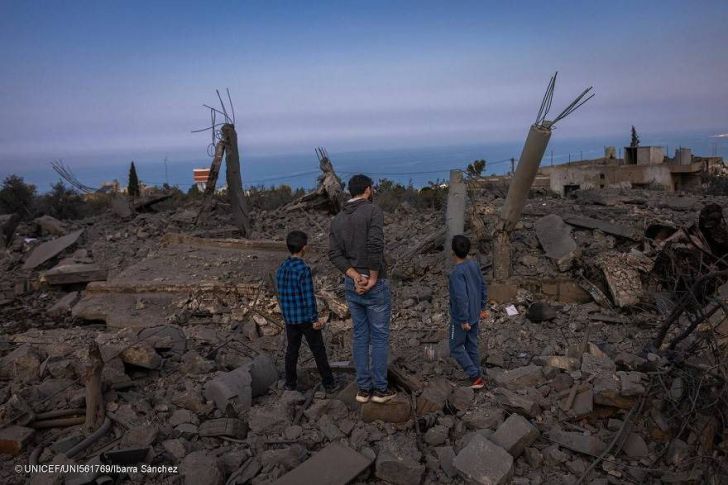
(166, 175)
(513, 165)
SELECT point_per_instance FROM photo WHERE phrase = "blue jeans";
(464, 348)
(370, 313)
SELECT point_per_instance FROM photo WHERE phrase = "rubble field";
(144, 338)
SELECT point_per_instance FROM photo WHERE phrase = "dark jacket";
(467, 292)
(356, 238)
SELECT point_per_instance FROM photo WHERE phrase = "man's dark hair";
(296, 240)
(460, 246)
(358, 184)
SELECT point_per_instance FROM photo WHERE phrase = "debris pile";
(605, 352)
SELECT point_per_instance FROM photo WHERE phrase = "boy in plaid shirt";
(298, 305)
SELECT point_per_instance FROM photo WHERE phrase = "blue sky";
(83, 78)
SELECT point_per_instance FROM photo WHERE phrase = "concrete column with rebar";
(455, 213)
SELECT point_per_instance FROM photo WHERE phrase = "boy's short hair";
(296, 240)
(460, 246)
(358, 184)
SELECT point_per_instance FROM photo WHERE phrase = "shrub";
(17, 197)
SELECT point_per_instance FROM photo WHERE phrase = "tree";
(17, 197)
(133, 186)
(635, 139)
(61, 202)
(476, 168)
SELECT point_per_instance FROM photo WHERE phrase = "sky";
(81, 79)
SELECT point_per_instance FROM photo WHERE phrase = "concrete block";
(484, 462)
(515, 434)
(398, 410)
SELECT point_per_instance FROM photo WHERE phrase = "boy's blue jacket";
(295, 292)
(467, 292)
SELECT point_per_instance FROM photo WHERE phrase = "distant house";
(200, 177)
(641, 167)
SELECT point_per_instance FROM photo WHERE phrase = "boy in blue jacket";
(467, 307)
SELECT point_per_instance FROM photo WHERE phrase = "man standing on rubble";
(356, 248)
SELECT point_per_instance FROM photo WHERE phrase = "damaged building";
(642, 167)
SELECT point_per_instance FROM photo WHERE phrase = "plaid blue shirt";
(295, 292)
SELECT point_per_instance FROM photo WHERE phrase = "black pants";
(315, 340)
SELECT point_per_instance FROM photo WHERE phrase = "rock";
(461, 398)
(576, 466)
(181, 416)
(520, 377)
(482, 418)
(333, 407)
(397, 466)
(635, 446)
(484, 463)
(433, 397)
(191, 399)
(13, 439)
(50, 226)
(201, 467)
(398, 410)
(540, 312)
(591, 364)
(607, 392)
(234, 428)
(562, 382)
(165, 338)
(22, 364)
(268, 420)
(186, 430)
(626, 361)
(64, 304)
(579, 442)
(194, 364)
(177, 448)
(553, 455)
(436, 435)
(558, 361)
(445, 456)
(515, 434)
(517, 403)
(142, 355)
(293, 432)
(534, 458)
(329, 428)
(630, 383)
(140, 436)
(583, 403)
(231, 389)
(287, 458)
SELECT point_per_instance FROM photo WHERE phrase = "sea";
(418, 166)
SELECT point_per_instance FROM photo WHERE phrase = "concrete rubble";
(190, 334)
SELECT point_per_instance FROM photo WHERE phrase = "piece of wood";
(334, 465)
(50, 249)
(75, 273)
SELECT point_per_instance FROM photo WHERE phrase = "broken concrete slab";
(13, 439)
(50, 249)
(445, 457)
(517, 403)
(143, 355)
(583, 403)
(484, 418)
(69, 274)
(579, 442)
(234, 428)
(484, 462)
(515, 434)
(433, 397)
(397, 410)
(336, 464)
(595, 365)
(64, 305)
(555, 238)
(461, 398)
(622, 278)
(395, 465)
(604, 226)
(520, 377)
(22, 364)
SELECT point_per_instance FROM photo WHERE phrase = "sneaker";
(383, 396)
(363, 395)
(478, 383)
